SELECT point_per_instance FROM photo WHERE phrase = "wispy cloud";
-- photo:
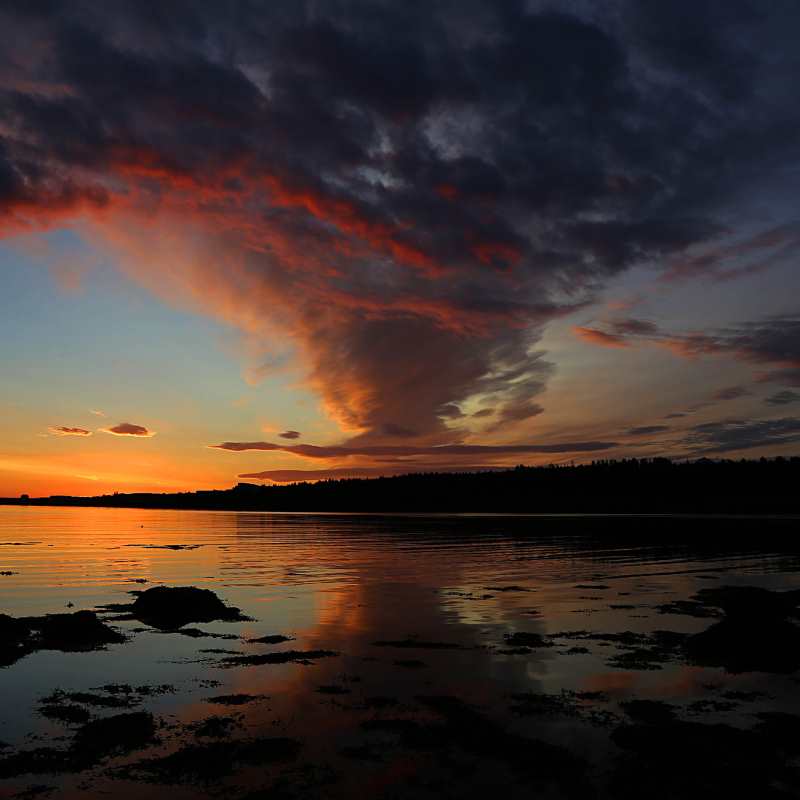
(731, 393)
(63, 430)
(601, 338)
(647, 430)
(294, 475)
(343, 451)
(730, 435)
(783, 398)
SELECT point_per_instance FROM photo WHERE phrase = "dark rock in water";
(418, 644)
(410, 663)
(68, 714)
(212, 762)
(197, 633)
(93, 742)
(513, 588)
(171, 607)
(654, 712)
(60, 698)
(688, 608)
(37, 790)
(283, 657)
(332, 688)
(215, 727)
(122, 733)
(530, 704)
(552, 769)
(235, 699)
(781, 730)
(523, 639)
(38, 761)
(71, 632)
(276, 638)
(751, 602)
(747, 646)
(68, 632)
(691, 760)
(755, 634)
(14, 637)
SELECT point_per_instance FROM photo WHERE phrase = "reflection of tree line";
(626, 486)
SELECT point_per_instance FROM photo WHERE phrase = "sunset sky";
(291, 240)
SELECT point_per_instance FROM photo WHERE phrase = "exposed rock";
(172, 607)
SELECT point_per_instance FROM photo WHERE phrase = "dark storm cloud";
(731, 393)
(646, 430)
(772, 345)
(411, 192)
(783, 398)
(737, 259)
(729, 435)
(637, 327)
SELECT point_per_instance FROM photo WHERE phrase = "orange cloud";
(600, 338)
(344, 215)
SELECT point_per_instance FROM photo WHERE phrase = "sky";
(294, 240)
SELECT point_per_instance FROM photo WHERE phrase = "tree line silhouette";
(658, 485)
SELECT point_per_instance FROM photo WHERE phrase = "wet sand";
(396, 657)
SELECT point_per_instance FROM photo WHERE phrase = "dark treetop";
(767, 486)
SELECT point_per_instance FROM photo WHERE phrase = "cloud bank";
(404, 195)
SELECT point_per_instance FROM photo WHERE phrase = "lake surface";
(463, 656)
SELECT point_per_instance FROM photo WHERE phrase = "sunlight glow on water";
(343, 582)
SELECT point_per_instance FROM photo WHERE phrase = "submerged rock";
(207, 763)
(418, 644)
(93, 742)
(121, 733)
(669, 758)
(283, 657)
(236, 699)
(75, 632)
(525, 639)
(276, 638)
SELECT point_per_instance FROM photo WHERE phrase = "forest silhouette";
(629, 486)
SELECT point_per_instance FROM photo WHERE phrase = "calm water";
(389, 721)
